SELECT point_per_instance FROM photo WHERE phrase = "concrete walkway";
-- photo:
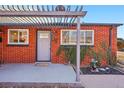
(53, 73)
(102, 81)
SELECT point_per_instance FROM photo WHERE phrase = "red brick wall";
(27, 54)
(101, 33)
(19, 54)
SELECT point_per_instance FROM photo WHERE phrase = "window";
(68, 37)
(18, 36)
(88, 37)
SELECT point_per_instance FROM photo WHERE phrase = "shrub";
(109, 56)
(103, 53)
(70, 53)
(97, 55)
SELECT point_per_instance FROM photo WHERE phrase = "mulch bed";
(110, 71)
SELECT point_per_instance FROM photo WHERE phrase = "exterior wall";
(101, 34)
(27, 54)
(17, 53)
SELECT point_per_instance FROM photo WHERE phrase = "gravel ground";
(110, 71)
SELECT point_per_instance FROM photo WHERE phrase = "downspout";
(110, 42)
(110, 37)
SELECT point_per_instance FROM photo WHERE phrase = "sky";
(106, 14)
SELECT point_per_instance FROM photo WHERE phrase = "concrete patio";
(53, 73)
(102, 81)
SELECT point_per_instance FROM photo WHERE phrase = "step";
(39, 85)
(42, 64)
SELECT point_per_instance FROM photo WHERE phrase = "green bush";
(70, 53)
(109, 56)
(102, 53)
(97, 55)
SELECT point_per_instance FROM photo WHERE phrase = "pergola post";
(110, 42)
(78, 50)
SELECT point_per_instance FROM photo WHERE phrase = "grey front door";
(43, 46)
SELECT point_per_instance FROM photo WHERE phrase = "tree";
(120, 43)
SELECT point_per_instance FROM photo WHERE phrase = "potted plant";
(93, 65)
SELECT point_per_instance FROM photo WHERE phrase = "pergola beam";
(42, 25)
(42, 13)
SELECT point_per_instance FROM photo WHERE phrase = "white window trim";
(74, 43)
(19, 30)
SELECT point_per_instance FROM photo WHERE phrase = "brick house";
(30, 42)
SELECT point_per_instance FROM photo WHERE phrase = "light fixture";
(15, 33)
(60, 8)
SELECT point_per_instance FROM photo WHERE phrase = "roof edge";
(109, 24)
(66, 24)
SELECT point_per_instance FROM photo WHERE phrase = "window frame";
(80, 31)
(18, 30)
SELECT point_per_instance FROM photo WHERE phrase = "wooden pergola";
(63, 16)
